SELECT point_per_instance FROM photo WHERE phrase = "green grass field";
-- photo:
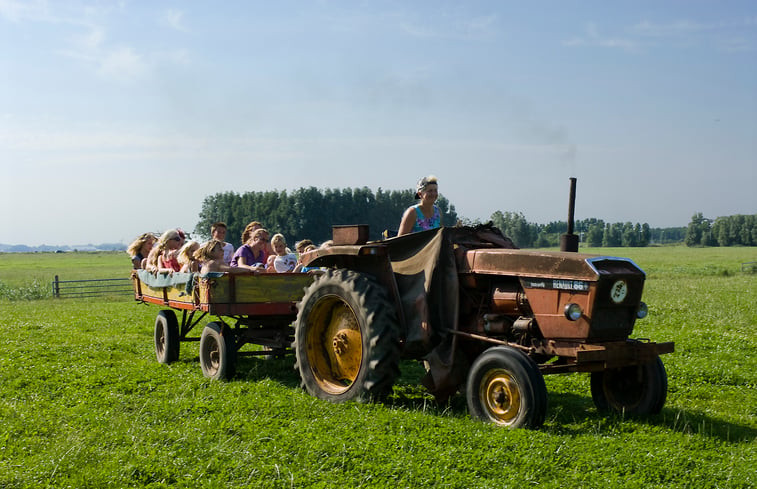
(83, 402)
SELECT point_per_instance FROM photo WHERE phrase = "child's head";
(301, 245)
(279, 244)
(218, 231)
(186, 253)
(259, 235)
(249, 229)
(210, 250)
(173, 239)
(143, 244)
(307, 249)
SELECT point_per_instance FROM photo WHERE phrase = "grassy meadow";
(83, 403)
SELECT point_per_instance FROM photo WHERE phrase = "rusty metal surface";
(356, 234)
(536, 264)
(590, 357)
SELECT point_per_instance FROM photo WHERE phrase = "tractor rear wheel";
(505, 387)
(635, 390)
(346, 338)
(166, 337)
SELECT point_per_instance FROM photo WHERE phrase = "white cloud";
(593, 38)
(91, 40)
(175, 19)
(731, 36)
(736, 45)
(453, 24)
(682, 33)
(673, 29)
(122, 64)
(16, 11)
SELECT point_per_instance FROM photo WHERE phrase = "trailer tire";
(166, 337)
(637, 390)
(505, 387)
(346, 338)
(217, 351)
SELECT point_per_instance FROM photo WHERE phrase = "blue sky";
(120, 117)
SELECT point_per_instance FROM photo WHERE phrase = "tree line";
(310, 213)
(592, 232)
(737, 230)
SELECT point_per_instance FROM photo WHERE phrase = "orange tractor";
(485, 318)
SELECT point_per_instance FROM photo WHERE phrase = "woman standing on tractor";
(425, 215)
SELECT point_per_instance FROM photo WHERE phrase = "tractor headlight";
(573, 311)
(642, 310)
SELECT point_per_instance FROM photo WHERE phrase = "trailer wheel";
(505, 387)
(634, 390)
(217, 351)
(346, 338)
(166, 337)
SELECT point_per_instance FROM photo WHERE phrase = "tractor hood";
(544, 264)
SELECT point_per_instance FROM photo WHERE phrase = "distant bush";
(34, 290)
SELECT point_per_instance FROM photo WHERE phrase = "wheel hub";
(335, 345)
(501, 395)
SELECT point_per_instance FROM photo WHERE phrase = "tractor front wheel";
(505, 387)
(635, 390)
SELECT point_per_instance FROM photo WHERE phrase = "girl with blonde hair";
(283, 259)
(140, 249)
(211, 256)
(163, 257)
(252, 254)
(186, 258)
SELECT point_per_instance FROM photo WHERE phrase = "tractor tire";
(217, 351)
(346, 338)
(166, 337)
(635, 391)
(505, 387)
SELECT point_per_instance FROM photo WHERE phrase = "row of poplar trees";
(593, 232)
(310, 212)
(737, 230)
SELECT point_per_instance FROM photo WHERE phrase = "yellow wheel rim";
(334, 344)
(501, 396)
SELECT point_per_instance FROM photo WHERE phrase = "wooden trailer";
(252, 309)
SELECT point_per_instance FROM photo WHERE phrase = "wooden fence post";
(56, 287)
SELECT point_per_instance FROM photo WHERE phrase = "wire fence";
(91, 287)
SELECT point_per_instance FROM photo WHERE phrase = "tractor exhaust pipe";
(569, 241)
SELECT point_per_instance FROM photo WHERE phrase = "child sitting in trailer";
(283, 260)
(210, 254)
(300, 267)
(300, 246)
(140, 249)
(162, 258)
(251, 255)
(186, 258)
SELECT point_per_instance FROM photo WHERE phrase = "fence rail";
(91, 287)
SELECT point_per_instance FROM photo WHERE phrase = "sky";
(120, 117)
